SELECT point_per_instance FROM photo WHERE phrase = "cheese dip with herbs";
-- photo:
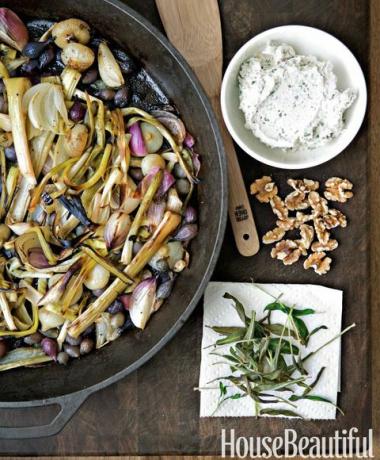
(291, 101)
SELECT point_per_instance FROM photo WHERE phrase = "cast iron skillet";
(69, 387)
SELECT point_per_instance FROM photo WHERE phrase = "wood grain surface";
(154, 410)
(193, 27)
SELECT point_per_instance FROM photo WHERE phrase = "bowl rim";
(226, 82)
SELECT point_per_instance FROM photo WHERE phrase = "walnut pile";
(312, 218)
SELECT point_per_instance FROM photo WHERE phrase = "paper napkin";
(218, 312)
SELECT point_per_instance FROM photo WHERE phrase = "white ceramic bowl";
(305, 40)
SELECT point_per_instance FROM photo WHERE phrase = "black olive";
(122, 97)
(86, 346)
(77, 112)
(136, 174)
(115, 307)
(34, 49)
(30, 66)
(46, 58)
(33, 339)
(90, 77)
(106, 94)
(164, 290)
(3, 348)
(73, 341)
(10, 153)
(3, 105)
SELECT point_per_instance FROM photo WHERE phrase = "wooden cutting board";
(155, 410)
(193, 27)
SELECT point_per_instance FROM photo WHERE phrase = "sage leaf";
(238, 307)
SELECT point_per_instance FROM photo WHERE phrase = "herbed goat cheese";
(291, 101)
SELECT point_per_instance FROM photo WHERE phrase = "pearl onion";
(151, 161)
(152, 137)
(97, 278)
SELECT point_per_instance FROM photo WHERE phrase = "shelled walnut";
(319, 262)
(312, 218)
(323, 235)
(334, 218)
(289, 223)
(317, 246)
(307, 237)
(274, 235)
(264, 189)
(287, 251)
(279, 208)
(303, 185)
(296, 201)
(338, 189)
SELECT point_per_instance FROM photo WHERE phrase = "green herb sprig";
(259, 358)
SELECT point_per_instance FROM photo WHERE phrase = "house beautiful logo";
(342, 444)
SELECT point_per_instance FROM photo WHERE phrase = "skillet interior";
(114, 361)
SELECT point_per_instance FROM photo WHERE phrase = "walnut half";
(319, 262)
(274, 235)
(296, 201)
(338, 189)
(307, 211)
(279, 208)
(264, 189)
(307, 236)
(317, 246)
(287, 251)
(303, 185)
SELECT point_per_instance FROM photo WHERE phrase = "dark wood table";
(155, 410)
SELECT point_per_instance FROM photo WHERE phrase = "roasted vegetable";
(16, 88)
(166, 228)
(92, 230)
(109, 69)
(12, 29)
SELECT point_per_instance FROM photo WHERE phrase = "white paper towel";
(219, 312)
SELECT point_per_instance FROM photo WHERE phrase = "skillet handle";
(68, 404)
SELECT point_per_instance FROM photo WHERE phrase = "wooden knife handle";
(239, 208)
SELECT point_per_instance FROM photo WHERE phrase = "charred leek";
(16, 88)
(169, 223)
